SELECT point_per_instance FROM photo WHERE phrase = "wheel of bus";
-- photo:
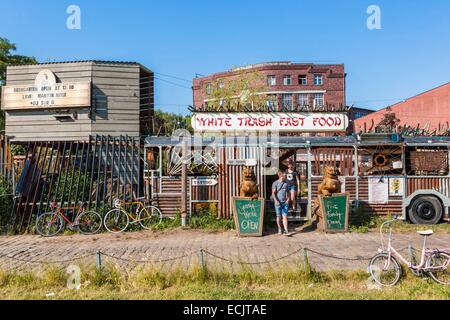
(49, 224)
(439, 262)
(89, 222)
(425, 210)
(383, 272)
(150, 217)
(116, 221)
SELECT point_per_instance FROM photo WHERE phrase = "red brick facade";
(430, 110)
(332, 87)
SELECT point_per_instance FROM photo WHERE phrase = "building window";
(221, 85)
(287, 80)
(302, 80)
(303, 99)
(319, 100)
(209, 88)
(271, 81)
(358, 115)
(318, 79)
(271, 102)
(286, 101)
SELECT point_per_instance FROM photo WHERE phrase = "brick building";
(429, 110)
(284, 85)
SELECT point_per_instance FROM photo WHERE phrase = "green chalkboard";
(248, 216)
(335, 210)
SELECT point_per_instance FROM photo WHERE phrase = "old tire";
(425, 210)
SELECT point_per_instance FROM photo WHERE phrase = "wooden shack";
(382, 176)
(70, 101)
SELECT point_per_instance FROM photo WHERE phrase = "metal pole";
(201, 258)
(80, 167)
(98, 260)
(69, 156)
(92, 172)
(111, 188)
(61, 164)
(42, 165)
(44, 185)
(34, 161)
(99, 169)
(184, 184)
(105, 176)
(118, 167)
(125, 173)
(69, 200)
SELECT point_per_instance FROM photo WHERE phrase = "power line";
(173, 77)
(173, 83)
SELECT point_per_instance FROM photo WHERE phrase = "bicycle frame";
(59, 212)
(132, 215)
(392, 252)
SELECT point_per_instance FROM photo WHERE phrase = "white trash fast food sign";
(287, 122)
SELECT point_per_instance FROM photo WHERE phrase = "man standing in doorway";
(280, 196)
(293, 180)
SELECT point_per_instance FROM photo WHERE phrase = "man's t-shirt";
(291, 178)
(281, 190)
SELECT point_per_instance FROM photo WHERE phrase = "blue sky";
(410, 54)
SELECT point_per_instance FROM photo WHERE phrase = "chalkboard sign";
(248, 216)
(335, 210)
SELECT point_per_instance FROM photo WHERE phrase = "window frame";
(316, 75)
(315, 100)
(271, 77)
(283, 95)
(299, 101)
(285, 77)
(302, 77)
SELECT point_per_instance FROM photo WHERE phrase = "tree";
(166, 123)
(8, 58)
(243, 92)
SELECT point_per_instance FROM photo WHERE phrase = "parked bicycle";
(385, 268)
(118, 219)
(51, 223)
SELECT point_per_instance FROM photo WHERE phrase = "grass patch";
(204, 219)
(149, 282)
(363, 222)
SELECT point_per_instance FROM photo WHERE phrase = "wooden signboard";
(248, 216)
(335, 210)
(42, 97)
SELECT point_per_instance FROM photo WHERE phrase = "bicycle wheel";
(383, 273)
(116, 221)
(89, 222)
(439, 262)
(49, 224)
(150, 217)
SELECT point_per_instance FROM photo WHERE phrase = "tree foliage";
(8, 58)
(244, 91)
(167, 122)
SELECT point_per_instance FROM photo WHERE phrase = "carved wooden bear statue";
(331, 183)
(249, 188)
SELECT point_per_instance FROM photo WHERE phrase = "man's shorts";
(282, 210)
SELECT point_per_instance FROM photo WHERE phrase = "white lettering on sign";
(292, 122)
(204, 182)
(243, 162)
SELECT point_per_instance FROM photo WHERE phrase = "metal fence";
(69, 173)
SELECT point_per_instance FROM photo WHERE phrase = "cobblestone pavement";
(181, 248)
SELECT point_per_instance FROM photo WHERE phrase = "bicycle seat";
(425, 232)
